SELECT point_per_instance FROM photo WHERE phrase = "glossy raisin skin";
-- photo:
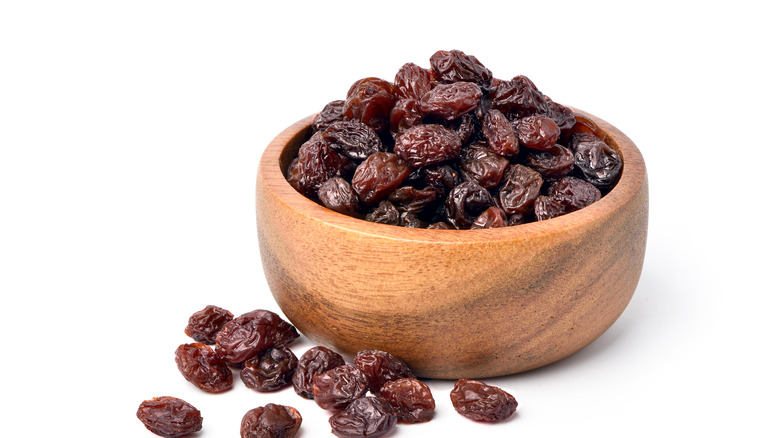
(500, 134)
(368, 417)
(369, 101)
(204, 325)
(451, 101)
(481, 402)
(412, 200)
(466, 202)
(337, 194)
(518, 97)
(384, 213)
(378, 176)
(405, 114)
(547, 207)
(411, 399)
(169, 417)
(316, 360)
(352, 139)
(332, 112)
(598, 163)
(563, 116)
(424, 145)
(338, 387)
(201, 366)
(493, 217)
(574, 193)
(520, 188)
(441, 177)
(412, 82)
(381, 367)
(251, 333)
(554, 163)
(484, 166)
(271, 421)
(455, 66)
(270, 370)
(537, 132)
(318, 162)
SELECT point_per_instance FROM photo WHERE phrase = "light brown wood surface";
(453, 303)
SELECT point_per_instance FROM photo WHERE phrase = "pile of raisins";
(366, 398)
(452, 147)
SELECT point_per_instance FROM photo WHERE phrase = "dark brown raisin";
(451, 101)
(412, 82)
(595, 161)
(493, 217)
(408, 199)
(271, 421)
(554, 163)
(563, 116)
(366, 417)
(405, 114)
(338, 387)
(520, 187)
(455, 66)
(337, 194)
(204, 325)
(537, 132)
(518, 97)
(547, 207)
(317, 163)
(169, 417)
(201, 366)
(410, 398)
(574, 193)
(482, 402)
(440, 226)
(381, 367)
(482, 165)
(378, 176)
(466, 128)
(384, 213)
(270, 370)
(370, 100)
(316, 360)
(410, 220)
(332, 112)
(424, 145)
(352, 139)
(251, 333)
(517, 219)
(441, 178)
(466, 202)
(500, 134)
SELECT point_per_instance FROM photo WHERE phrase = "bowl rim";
(271, 179)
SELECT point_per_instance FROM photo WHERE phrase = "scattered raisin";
(271, 421)
(201, 366)
(204, 325)
(378, 176)
(251, 333)
(169, 417)
(482, 402)
(316, 360)
(423, 145)
(366, 417)
(410, 398)
(338, 387)
(381, 367)
(270, 370)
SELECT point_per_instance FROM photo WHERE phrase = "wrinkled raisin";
(518, 97)
(410, 398)
(598, 163)
(338, 387)
(369, 101)
(484, 166)
(337, 194)
(251, 333)
(408, 199)
(451, 101)
(466, 202)
(366, 417)
(482, 402)
(493, 217)
(384, 213)
(574, 193)
(440, 226)
(441, 177)
(352, 139)
(204, 325)
(537, 132)
(520, 187)
(201, 366)
(381, 367)
(318, 162)
(412, 82)
(405, 114)
(562, 115)
(270, 370)
(316, 360)
(271, 421)
(455, 66)
(378, 176)
(169, 417)
(547, 207)
(554, 163)
(500, 134)
(424, 145)
(332, 112)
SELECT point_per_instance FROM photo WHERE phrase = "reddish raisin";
(204, 325)
(316, 360)
(598, 163)
(537, 132)
(410, 398)
(466, 202)
(408, 199)
(169, 417)
(201, 366)
(317, 163)
(441, 178)
(410, 220)
(381, 367)
(332, 112)
(270, 370)
(338, 387)
(478, 401)
(271, 421)
(500, 134)
(366, 417)
(466, 128)
(518, 97)
(251, 333)
(563, 116)
(456, 66)
(520, 187)
(451, 101)
(440, 226)
(378, 176)
(547, 207)
(405, 114)
(370, 100)
(412, 82)
(352, 139)
(482, 165)
(384, 213)
(554, 163)
(493, 217)
(424, 145)
(337, 194)
(574, 193)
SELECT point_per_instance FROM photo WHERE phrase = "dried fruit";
(500, 134)
(574, 193)
(369, 101)
(537, 132)
(251, 333)
(332, 112)
(405, 114)
(169, 416)
(451, 101)
(352, 139)
(493, 217)
(338, 387)
(317, 163)
(482, 402)
(385, 213)
(441, 177)
(598, 163)
(337, 194)
(554, 163)
(378, 176)
(520, 187)
(410, 398)
(201, 366)
(271, 421)
(424, 145)
(482, 165)
(456, 66)
(368, 417)
(380, 367)
(547, 207)
(204, 325)
(270, 370)
(412, 82)
(314, 361)
(466, 202)
(518, 97)
(411, 200)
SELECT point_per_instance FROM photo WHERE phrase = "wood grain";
(453, 303)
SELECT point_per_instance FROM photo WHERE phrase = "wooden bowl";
(452, 303)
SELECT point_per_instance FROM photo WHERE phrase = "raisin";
(517, 219)
(598, 163)
(547, 207)
(466, 128)
(441, 177)
(554, 163)
(466, 202)
(381, 367)
(201, 366)
(332, 112)
(338, 387)
(451, 101)
(251, 333)
(405, 114)
(440, 226)
(369, 101)
(482, 165)
(537, 132)
(562, 115)
(294, 175)
(520, 187)
(500, 134)
(316, 360)
(337, 194)
(270, 370)
(271, 421)
(423, 145)
(318, 162)
(518, 97)
(412, 82)
(378, 176)
(574, 193)
(493, 217)
(169, 417)
(410, 220)
(456, 66)
(410, 398)
(352, 139)
(408, 199)
(482, 402)
(204, 325)
(366, 417)
(384, 213)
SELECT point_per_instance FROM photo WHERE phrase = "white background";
(130, 133)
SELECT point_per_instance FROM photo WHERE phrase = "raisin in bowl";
(468, 303)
